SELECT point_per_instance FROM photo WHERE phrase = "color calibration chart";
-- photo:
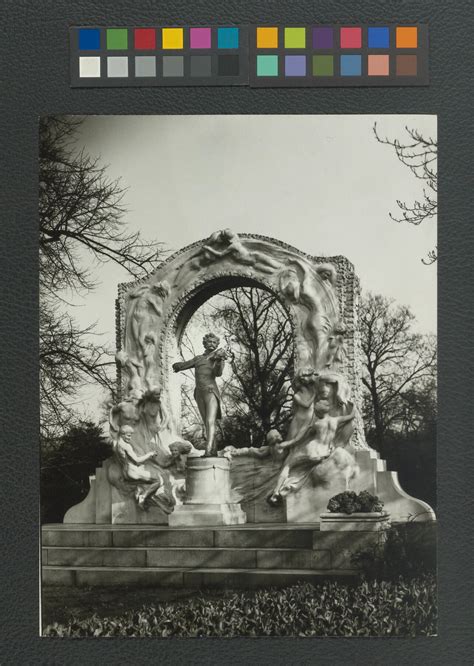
(329, 55)
(165, 56)
(257, 56)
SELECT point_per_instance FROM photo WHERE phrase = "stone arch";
(314, 291)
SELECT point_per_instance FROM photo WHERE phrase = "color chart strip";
(259, 56)
(338, 55)
(159, 56)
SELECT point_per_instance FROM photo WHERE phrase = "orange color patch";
(267, 38)
(406, 38)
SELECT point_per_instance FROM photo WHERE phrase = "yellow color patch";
(406, 38)
(267, 38)
(172, 38)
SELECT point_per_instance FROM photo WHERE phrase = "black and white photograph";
(238, 375)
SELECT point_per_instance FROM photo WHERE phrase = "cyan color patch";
(227, 38)
(89, 39)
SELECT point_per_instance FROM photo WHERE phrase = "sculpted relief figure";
(133, 371)
(336, 351)
(143, 318)
(235, 248)
(305, 388)
(269, 451)
(151, 460)
(317, 442)
(133, 469)
(207, 367)
(319, 305)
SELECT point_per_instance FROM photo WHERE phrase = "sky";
(321, 183)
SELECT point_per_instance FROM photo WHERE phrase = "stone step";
(206, 558)
(273, 535)
(182, 577)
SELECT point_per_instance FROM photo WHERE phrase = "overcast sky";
(321, 183)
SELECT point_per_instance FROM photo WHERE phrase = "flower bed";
(370, 608)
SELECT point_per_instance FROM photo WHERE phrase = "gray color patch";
(145, 66)
(201, 65)
(117, 66)
(173, 66)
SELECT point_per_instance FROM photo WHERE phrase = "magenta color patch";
(200, 38)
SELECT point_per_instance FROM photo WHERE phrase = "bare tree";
(399, 364)
(81, 226)
(420, 155)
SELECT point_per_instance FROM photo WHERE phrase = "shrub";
(349, 502)
(407, 550)
(372, 608)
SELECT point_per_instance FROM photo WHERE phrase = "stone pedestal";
(355, 522)
(208, 497)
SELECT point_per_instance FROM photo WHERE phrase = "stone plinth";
(308, 503)
(355, 522)
(208, 497)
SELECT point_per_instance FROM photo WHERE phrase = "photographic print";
(238, 365)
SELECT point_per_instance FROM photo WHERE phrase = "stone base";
(106, 505)
(356, 522)
(308, 503)
(208, 497)
(197, 515)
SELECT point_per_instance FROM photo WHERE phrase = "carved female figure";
(305, 388)
(336, 351)
(144, 312)
(236, 249)
(306, 450)
(152, 429)
(134, 370)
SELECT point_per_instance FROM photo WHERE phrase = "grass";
(369, 608)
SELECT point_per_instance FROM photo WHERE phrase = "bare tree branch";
(420, 155)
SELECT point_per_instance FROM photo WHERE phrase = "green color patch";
(323, 65)
(117, 39)
(295, 38)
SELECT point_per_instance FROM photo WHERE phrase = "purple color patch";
(200, 38)
(295, 65)
(322, 38)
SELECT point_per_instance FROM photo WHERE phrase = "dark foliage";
(399, 400)
(372, 608)
(350, 502)
(408, 550)
(66, 464)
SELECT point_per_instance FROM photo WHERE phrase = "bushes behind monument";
(66, 464)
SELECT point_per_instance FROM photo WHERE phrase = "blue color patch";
(378, 38)
(89, 39)
(351, 65)
(227, 38)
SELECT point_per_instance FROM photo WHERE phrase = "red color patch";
(145, 39)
